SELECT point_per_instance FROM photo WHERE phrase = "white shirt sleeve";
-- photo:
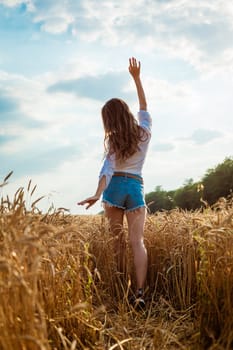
(145, 120)
(108, 168)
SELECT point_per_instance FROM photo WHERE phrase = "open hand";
(134, 67)
(90, 201)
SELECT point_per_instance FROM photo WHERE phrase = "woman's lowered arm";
(93, 199)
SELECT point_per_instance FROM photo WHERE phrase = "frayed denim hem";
(134, 209)
(109, 204)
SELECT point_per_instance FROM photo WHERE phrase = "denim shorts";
(125, 192)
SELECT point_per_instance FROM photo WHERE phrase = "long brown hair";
(122, 132)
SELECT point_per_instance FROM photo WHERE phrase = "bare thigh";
(136, 222)
(115, 217)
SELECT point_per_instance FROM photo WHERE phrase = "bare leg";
(136, 221)
(115, 217)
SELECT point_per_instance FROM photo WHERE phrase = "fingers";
(89, 205)
(89, 201)
(82, 202)
(133, 62)
(86, 201)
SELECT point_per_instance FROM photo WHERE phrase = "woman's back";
(135, 162)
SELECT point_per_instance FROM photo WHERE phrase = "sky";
(61, 60)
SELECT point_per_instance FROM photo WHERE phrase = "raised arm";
(134, 69)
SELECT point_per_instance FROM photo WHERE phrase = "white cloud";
(55, 24)
(160, 90)
(93, 87)
(182, 29)
(12, 3)
(51, 131)
(203, 136)
(163, 147)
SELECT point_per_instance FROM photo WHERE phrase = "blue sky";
(61, 60)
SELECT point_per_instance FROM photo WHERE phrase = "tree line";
(217, 182)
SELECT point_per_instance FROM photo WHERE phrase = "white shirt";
(134, 163)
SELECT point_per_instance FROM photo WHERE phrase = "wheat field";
(60, 287)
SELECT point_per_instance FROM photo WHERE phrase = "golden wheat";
(60, 287)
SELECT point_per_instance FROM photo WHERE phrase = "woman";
(120, 181)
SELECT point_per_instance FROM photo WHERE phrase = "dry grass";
(60, 288)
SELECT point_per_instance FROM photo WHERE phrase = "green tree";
(188, 197)
(159, 200)
(218, 182)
